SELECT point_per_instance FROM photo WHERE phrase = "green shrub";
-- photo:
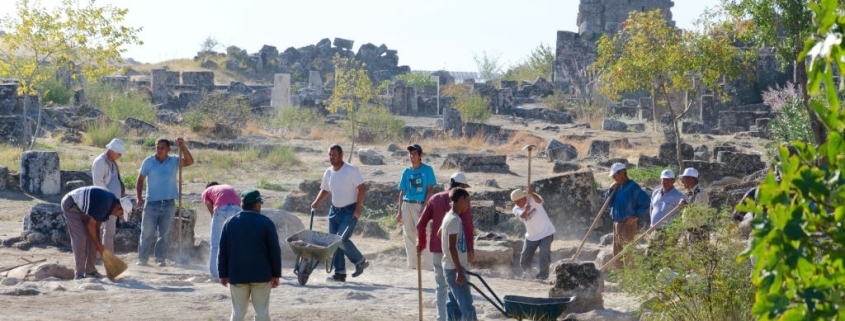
(698, 281)
(129, 181)
(119, 104)
(101, 133)
(385, 217)
(473, 108)
(217, 108)
(537, 64)
(56, 92)
(792, 121)
(271, 185)
(376, 123)
(558, 101)
(416, 78)
(647, 175)
(279, 157)
(298, 119)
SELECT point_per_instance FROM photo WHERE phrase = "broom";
(114, 265)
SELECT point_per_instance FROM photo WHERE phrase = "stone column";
(452, 122)
(158, 86)
(315, 82)
(40, 174)
(709, 114)
(280, 96)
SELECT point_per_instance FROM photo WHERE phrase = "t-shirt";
(415, 182)
(662, 204)
(451, 226)
(343, 184)
(221, 195)
(94, 201)
(161, 178)
(537, 222)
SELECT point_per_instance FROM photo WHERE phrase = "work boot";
(141, 263)
(337, 277)
(79, 277)
(359, 268)
(162, 264)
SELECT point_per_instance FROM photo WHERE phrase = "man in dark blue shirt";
(630, 204)
(250, 258)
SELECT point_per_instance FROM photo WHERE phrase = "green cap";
(250, 196)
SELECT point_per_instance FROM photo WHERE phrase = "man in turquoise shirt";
(415, 189)
(160, 170)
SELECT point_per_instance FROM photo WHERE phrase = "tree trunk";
(25, 124)
(816, 125)
(675, 120)
(37, 127)
(352, 119)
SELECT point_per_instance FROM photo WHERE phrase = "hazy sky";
(429, 35)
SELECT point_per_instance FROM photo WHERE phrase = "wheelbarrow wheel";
(304, 270)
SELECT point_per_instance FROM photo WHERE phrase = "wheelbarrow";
(311, 248)
(521, 307)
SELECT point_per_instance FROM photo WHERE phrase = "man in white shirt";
(106, 174)
(663, 201)
(539, 231)
(346, 186)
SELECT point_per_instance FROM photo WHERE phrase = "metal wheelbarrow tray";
(312, 247)
(521, 307)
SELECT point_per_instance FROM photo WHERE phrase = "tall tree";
(87, 40)
(783, 24)
(352, 89)
(649, 54)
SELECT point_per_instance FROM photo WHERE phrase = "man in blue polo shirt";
(250, 261)
(159, 171)
(415, 189)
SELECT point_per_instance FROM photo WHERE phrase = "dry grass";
(10, 157)
(520, 139)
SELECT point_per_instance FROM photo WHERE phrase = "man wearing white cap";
(629, 204)
(663, 201)
(434, 212)
(539, 231)
(106, 174)
(696, 225)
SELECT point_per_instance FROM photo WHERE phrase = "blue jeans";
(446, 309)
(462, 295)
(217, 221)
(528, 249)
(157, 216)
(339, 219)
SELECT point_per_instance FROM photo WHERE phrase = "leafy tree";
(85, 39)
(488, 66)
(537, 64)
(783, 24)
(208, 46)
(352, 89)
(799, 238)
(649, 54)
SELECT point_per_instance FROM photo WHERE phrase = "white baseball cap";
(690, 172)
(117, 145)
(126, 204)
(615, 168)
(460, 178)
(667, 174)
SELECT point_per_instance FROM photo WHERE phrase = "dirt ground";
(386, 291)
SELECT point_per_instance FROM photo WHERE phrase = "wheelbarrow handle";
(500, 306)
(311, 225)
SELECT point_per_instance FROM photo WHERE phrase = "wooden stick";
(9, 268)
(617, 256)
(27, 261)
(419, 282)
(595, 221)
(179, 208)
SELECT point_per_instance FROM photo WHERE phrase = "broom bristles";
(114, 265)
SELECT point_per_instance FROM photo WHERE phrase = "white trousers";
(410, 216)
(241, 293)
